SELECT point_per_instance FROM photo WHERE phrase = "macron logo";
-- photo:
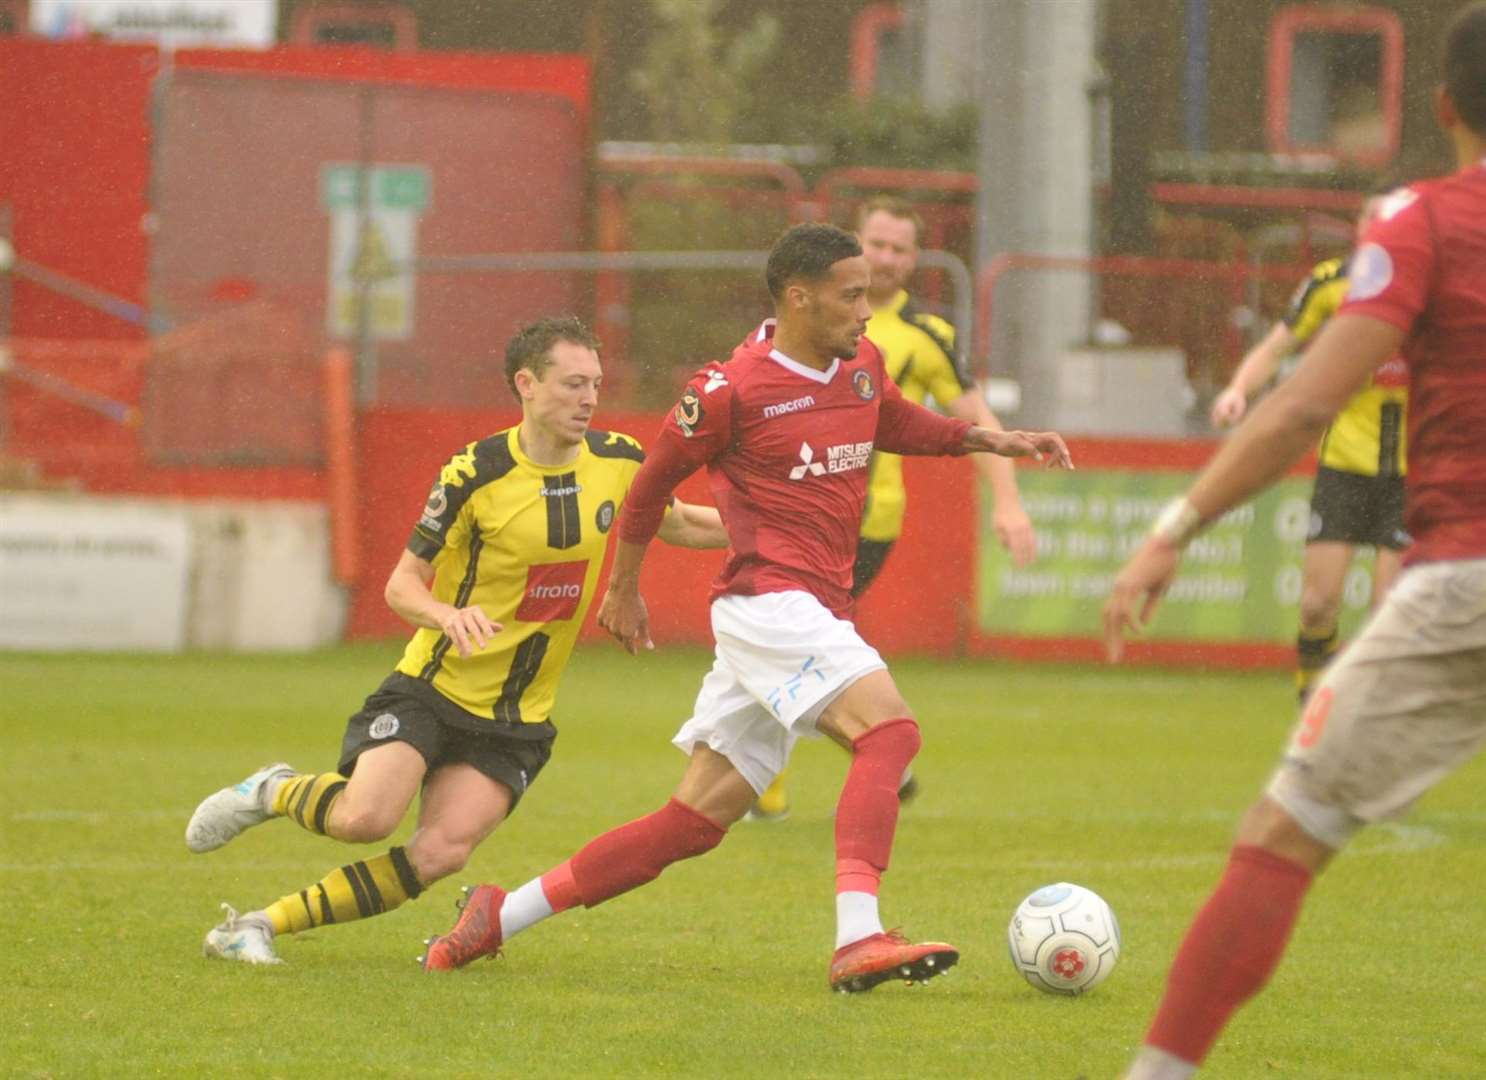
(715, 379)
(808, 464)
(786, 407)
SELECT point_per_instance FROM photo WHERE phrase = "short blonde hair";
(894, 206)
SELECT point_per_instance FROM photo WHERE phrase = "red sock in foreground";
(1229, 952)
(631, 855)
(614, 863)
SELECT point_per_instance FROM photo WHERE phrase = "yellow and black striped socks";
(1313, 651)
(357, 891)
(307, 799)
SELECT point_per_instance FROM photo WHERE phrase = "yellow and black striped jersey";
(524, 542)
(919, 350)
(1367, 436)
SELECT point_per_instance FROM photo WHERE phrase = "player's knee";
(1295, 827)
(362, 824)
(434, 858)
(861, 713)
(898, 738)
(1318, 609)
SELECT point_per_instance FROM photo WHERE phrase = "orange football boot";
(880, 957)
(475, 934)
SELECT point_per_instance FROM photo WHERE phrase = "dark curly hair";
(807, 251)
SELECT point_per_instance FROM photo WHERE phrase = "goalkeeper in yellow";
(1359, 490)
(497, 576)
(919, 349)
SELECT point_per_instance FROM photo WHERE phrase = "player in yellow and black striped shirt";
(497, 576)
(1359, 491)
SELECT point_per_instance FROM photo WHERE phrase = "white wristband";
(1177, 523)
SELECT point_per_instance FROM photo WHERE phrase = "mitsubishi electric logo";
(808, 464)
(843, 457)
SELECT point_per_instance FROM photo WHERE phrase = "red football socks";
(559, 887)
(867, 813)
(1231, 949)
(631, 855)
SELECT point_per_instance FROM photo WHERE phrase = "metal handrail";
(600, 261)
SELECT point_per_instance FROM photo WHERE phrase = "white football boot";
(222, 816)
(245, 938)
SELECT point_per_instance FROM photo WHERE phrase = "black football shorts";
(1349, 508)
(405, 709)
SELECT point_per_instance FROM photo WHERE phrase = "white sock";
(1153, 1063)
(525, 907)
(856, 917)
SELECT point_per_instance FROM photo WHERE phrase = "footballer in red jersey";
(1406, 702)
(785, 429)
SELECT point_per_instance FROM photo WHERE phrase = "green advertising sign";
(1240, 580)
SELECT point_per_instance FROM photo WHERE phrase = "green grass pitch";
(1125, 781)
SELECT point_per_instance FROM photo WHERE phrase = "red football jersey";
(1422, 267)
(786, 449)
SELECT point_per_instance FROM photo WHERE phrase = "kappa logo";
(808, 464)
(384, 726)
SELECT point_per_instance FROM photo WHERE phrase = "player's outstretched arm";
(1046, 446)
(1276, 435)
(691, 526)
(1257, 368)
(408, 594)
(1008, 517)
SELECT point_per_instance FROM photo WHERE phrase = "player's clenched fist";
(623, 614)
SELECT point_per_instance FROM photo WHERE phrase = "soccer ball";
(1064, 939)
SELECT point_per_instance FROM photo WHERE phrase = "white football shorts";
(782, 658)
(1402, 707)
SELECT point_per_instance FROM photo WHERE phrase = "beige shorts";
(1402, 707)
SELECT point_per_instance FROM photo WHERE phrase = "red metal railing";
(1237, 274)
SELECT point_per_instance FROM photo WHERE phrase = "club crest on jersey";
(605, 516)
(384, 726)
(434, 509)
(861, 382)
(689, 412)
